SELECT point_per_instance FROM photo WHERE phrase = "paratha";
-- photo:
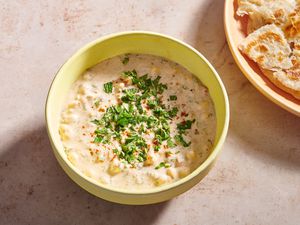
(291, 28)
(273, 40)
(268, 47)
(262, 12)
(287, 80)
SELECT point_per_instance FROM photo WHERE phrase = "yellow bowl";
(235, 33)
(135, 42)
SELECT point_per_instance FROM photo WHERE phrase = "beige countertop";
(256, 179)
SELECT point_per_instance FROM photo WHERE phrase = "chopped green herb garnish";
(139, 112)
(180, 140)
(98, 139)
(162, 164)
(162, 134)
(160, 113)
(151, 122)
(185, 125)
(123, 121)
(97, 102)
(170, 143)
(125, 60)
(101, 131)
(97, 122)
(173, 112)
(129, 95)
(152, 104)
(142, 129)
(156, 148)
(173, 97)
(108, 87)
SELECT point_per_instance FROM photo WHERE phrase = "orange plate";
(235, 32)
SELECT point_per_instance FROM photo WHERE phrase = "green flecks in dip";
(108, 87)
(125, 60)
(137, 121)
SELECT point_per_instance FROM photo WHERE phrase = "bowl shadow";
(35, 190)
(255, 120)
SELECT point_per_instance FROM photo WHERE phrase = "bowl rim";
(261, 88)
(209, 160)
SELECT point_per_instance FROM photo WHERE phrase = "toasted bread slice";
(268, 47)
(262, 12)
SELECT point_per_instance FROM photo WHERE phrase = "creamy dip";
(137, 121)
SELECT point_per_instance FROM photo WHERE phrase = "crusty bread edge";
(270, 75)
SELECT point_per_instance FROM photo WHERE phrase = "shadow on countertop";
(35, 190)
(273, 133)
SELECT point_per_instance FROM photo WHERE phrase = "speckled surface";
(255, 181)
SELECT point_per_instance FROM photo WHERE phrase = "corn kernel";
(172, 172)
(183, 172)
(88, 174)
(81, 90)
(70, 158)
(160, 180)
(63, 134)
(155, 70)
(113, 169)
(190, 155)
(150, 160)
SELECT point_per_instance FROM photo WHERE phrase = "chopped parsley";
(101, 131)
(152, 103)
(97, 103)
(173, 98)
(97, 122)
(125, 60)
(162, 164)
(129, 95)
(180, 140)
(140, 111)
(98, 139)
(108, 87)
(173, 112)
(185, 125)
(170, 143)
(156, 148)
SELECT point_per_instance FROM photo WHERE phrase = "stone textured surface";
(255, 181)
